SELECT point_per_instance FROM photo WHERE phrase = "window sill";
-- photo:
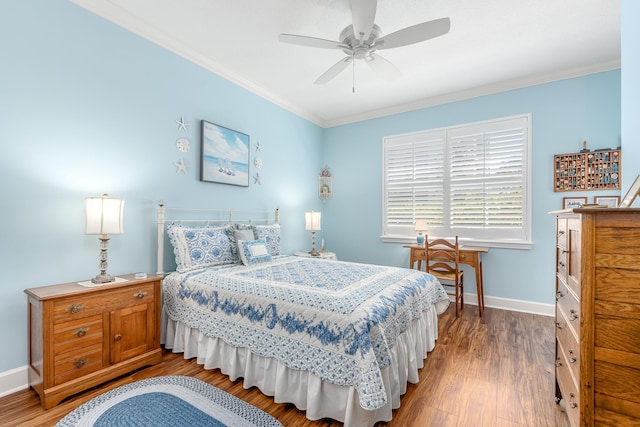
(524, 245)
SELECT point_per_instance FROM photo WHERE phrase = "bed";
(337, 339)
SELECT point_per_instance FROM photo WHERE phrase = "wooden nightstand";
(80, 337)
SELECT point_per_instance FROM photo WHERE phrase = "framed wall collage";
(591, 170)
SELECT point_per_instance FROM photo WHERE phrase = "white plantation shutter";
(414, 171)
(471, 181)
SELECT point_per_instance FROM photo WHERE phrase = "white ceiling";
(493, 45)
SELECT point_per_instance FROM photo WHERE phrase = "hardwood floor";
(495, 372)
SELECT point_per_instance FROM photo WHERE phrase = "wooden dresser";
(80, 337)
(598, 315)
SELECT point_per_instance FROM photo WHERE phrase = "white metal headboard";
(206, 217)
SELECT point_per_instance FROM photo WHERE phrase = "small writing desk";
(469, 255)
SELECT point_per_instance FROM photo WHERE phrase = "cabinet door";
(132, 331)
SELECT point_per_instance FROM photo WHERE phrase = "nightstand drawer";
(92, 304)
(75, 364)
(77, 334)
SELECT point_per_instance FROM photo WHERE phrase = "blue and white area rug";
(168, 401)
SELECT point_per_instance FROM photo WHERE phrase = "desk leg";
(479, 286)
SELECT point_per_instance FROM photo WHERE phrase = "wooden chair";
(443, 262)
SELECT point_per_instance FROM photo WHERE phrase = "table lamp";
(104, 216)
(312, 223)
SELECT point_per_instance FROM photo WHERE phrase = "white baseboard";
(514, 305)
(511, 304)
(17, 379)
(13, 380)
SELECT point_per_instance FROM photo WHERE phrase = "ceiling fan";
(363, 38)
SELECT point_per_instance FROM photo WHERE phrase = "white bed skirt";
(305, 390)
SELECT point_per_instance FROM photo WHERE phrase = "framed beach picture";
(573, 202)
(225, 155)
(631, 195)
(609, 201)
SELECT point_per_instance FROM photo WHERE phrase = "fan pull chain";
(353, 73)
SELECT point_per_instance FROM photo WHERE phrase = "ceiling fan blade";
(332, 72)
(382, 67)
(363, 14)
(414, 34)
(311, 41)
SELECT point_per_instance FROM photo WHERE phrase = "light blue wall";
(630, 93)
(86, 108)
(564, 113)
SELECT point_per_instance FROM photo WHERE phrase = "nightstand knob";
(573, 315)
(81, 332)
(117, 337)
(80, 362)
(140, 294)
(74, 308)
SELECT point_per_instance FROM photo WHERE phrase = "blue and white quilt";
(335, 319)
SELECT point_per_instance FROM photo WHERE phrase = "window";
(470, 180)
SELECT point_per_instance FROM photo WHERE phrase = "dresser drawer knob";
(572, 358)
(559, 325)
(561, 264)
(140, 294)
(73, 309)
(571, 402)
(559, 295)
(80, 362)
(558, 362)
(560, 232)
(573, 315)
(117, 337)
(81, 332)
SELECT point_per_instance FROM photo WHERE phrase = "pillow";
(243, 234)
(197, 247)
(253, 251)
(271, 233)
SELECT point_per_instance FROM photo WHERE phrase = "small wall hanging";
(182, 125)
(325, 185)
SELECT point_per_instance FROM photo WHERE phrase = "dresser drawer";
(569, 344)
(567, 310)
(75, 364)
(568, 387)
(79, 333)
(561, 267)
(81, 306)
(561, 233)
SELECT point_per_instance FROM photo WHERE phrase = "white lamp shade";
(312, 221)
(421, 225)
(104, 215)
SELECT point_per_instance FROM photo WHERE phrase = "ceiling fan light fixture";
(362, 38)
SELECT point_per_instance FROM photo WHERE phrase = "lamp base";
(103, 278)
